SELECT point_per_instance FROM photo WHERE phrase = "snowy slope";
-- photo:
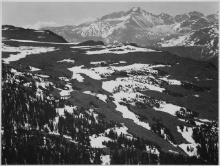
(206, 38)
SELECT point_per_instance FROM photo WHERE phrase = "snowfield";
(191, 147)
(172, 151)
(69, 109)
(34, 68)
(126, 113)
(64, 79)
(199, 122)
(43, 75)
(98, 62)
(196, 95)
(95, 115)
(33, 41)
(168, 108)
(99, 73)
(152, 150)
(106, 160)
(129, 84)
(76, 70)
(180, 41)
(66, 92)
(120, 130)
(23, 51)
(171, 81)
(66, 60)
(88, 47)
(96, 141)
(100, 96)
(120, 50)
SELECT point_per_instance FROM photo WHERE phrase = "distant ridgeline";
(17, 33)
(193, 34)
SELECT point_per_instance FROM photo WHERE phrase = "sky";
(38, 14)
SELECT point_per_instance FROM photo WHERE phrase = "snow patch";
(122, 62)
(106, 160)
(64, 79)
(171, 81)
(77, 70)
(23, 51)
(98, 62)
(152, 150)
(126, 113)
(196, 95)
(96, 141)
(168, 108)
(16, 72)
(88, 47)
(100, 96)
(99, 73)
(69, 109)
(67, 91)
(172, 151)
(95, 115)
(66, 60)
(130, 84)
(205, 120)
(120, 130)
(181, 40)
(191, 147)
(120, 50)
(34, 68)
(43, 76)
(34, 41)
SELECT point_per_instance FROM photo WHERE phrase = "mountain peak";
(195, 15)
(168, 19)
(136, 10)
(163, 14)
(137, 25)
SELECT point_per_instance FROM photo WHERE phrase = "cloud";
(41, 24)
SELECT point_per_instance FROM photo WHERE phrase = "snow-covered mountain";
(137, 26)
(204, 39)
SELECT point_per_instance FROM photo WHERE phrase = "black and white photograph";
(109, 82)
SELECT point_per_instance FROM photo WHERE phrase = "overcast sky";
(69, 13)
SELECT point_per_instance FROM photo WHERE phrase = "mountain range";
(147, 29)
(143, 26)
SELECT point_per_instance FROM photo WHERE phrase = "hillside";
(90, 103)
(10, 32)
